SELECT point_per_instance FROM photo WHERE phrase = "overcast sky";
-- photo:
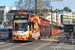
(56, 4)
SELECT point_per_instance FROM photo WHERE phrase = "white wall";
(13, 8)
(6, 10)
(59, 18)
(48, 17)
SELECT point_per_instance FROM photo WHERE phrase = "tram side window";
(16, 26)
(32, 26)
(29, 23)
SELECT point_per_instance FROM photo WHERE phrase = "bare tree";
(30, 5)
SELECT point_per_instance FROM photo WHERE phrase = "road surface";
(53, 43)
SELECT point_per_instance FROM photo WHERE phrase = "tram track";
(62, 41)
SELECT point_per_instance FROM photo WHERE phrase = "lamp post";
(36, 7)
(50, 25)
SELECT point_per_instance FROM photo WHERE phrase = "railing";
(5, 36)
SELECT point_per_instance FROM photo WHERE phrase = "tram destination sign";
(21, 16)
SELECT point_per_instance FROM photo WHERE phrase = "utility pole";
(50, 25)
(36, 7)
(51, 21)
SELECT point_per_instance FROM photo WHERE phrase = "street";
(43, 44)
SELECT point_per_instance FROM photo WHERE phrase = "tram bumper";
(20, 37)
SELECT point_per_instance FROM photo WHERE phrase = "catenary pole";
(36, 7)
(50, 25)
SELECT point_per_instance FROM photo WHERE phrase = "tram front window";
(20, 26)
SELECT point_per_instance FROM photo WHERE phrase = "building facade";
(3, 11)
(66, 19)
(73, 17)
(48, 16)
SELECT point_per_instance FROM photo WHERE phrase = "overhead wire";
(62, 3)
(58, 4)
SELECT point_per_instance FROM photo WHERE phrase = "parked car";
(5, 33)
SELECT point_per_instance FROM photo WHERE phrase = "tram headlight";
(26, 33)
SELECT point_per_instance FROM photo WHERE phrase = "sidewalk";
(70, 40)
(58, 38)
(50, 39)
(54, 37)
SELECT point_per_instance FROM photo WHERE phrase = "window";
(48, 18)
(29, 23)
(21, 26)
(0, 19)
(48, 15)
(16, 16)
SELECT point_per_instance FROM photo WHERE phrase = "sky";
(7, 2)
(64, 3)
(56, 5)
